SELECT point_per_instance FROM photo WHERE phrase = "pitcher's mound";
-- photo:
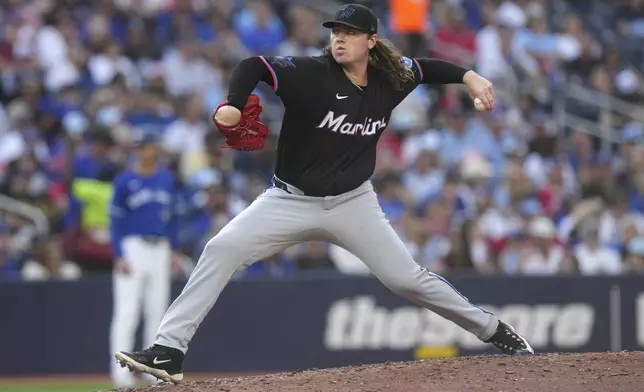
(602, 372)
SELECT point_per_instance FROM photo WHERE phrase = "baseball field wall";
(283, 325)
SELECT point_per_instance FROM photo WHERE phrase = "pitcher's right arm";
(287, 76)
(243, 81)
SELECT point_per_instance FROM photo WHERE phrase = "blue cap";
(145, 138)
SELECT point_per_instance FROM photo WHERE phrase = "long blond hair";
(387, 58)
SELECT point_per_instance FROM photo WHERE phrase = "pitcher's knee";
(222, 248)
(215, 244)
(220, 245)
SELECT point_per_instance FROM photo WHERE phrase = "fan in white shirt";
(186, 135)
(594, 258)
(105, 66)
(185, 69)
(53, 55)
(543, 256)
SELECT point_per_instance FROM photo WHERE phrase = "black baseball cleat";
(509, 341)
(162, 362)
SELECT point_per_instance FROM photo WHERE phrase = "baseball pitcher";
(336, 107)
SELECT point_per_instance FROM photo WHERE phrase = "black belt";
(287, 188)
(153, 239)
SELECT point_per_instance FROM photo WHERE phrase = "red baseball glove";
(249, 133)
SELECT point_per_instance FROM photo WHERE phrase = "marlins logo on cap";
(346, 12)
(356, 16)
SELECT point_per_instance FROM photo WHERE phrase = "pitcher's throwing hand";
(480, 88)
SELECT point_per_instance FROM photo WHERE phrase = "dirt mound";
(587, 372)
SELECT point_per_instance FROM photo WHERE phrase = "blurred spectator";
(476, 249)
(49, 263)
(186, 70)
(16, 237)
(509, 258)
(187, 133)
(457, 137)
(583, 211)
(315, 257)
(53, 51)
(88, 242)
(408, 20)
(259, 28)
(553, 193)
(273, 267)
(498, 58)
(96, 157)
(109, 62)
(424, 178)
(615, 219)
(629, 18)
(543, 255)
(594, 258)
(455, 36)
(302, 39)
(443, 206)
(635, 258)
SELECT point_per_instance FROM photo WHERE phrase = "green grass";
(57, 387)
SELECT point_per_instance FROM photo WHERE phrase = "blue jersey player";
(144, 234)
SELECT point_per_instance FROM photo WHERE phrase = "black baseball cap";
(357, 16)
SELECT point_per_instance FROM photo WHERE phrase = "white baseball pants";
(145, 290)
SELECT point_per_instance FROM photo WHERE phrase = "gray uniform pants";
(277, 220)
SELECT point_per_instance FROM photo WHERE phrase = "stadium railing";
(34, 214)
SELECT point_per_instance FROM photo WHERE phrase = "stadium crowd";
(511, 192)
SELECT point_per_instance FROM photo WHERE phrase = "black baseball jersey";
(327, 143)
